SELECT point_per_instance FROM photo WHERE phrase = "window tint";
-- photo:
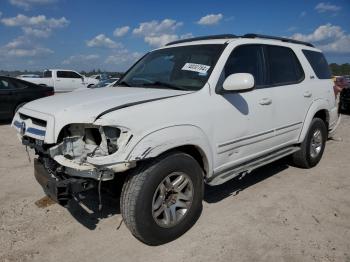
(63, 74)
(22, 84)
(47, 74)
(5, 84)
(318, 63)
(284, 66)
(67, 74)
(246, 59)
(74, 75)
(161, 66)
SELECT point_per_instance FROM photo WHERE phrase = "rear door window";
(22, 84)
(318, 63)
(63, 74)
(6, 84)
(284, 66)
(74, 75)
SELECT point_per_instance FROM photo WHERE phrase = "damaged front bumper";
(59, 188)
(86, 151)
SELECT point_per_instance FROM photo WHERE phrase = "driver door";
(244, 128)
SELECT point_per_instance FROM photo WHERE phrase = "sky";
(112, 35)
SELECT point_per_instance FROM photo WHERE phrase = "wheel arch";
(185, 138)
(318, 108)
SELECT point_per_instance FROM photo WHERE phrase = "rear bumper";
(61, 190)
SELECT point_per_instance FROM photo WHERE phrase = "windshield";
(183, 68)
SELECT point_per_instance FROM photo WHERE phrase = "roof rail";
(224, 36)
(283, 39)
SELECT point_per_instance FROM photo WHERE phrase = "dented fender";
(162, 140)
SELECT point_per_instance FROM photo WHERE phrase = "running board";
(229, 173)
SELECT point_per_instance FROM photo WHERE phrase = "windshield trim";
(224, 45)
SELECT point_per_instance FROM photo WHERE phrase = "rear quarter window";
(318, 63)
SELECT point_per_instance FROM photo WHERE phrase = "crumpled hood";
(85, 106)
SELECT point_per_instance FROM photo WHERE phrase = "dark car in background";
(344, 103)
(345, 100)
(15, 92)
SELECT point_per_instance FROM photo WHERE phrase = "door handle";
(307, 94)
(265, 101)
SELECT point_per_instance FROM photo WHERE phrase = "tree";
(339, 70)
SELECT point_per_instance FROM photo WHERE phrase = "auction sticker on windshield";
(196, 68)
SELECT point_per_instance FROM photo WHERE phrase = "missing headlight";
(81, 141)
(92, 136)
(112, 135)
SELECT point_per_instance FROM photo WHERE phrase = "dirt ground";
(277, 213)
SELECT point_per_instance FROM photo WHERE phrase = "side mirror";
(239, 82)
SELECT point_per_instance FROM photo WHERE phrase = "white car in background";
(103, 83)
(63, 80)
(100, 76)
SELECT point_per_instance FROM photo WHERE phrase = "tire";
(139, 197)
(309, 156)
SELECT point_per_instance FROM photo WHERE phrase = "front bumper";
(60, 189)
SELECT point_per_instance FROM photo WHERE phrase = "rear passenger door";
(291, 99)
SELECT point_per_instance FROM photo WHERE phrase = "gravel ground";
(277, 213)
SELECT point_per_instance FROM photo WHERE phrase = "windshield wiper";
(164, 84)
(123, 83)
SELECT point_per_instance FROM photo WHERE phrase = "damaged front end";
(84, 156)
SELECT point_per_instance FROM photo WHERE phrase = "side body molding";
(317, 105)
(162, 140)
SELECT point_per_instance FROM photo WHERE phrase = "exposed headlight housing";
(81, 141)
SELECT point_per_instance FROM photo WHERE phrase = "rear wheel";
(313, 145)
(162, 199)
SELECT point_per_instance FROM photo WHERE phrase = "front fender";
(162, 140)
(316, 106)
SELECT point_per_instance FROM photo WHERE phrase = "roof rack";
(224, 36)
(288, 40)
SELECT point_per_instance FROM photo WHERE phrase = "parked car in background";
(28, 76)
(63, 80)
(347, 78)
(344, 103)
(100, 77)
(15, 92)
(103, 83)
(115, 80)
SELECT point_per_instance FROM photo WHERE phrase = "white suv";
(201, 110)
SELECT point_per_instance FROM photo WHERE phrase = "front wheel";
(311, 149)
(161, 200)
